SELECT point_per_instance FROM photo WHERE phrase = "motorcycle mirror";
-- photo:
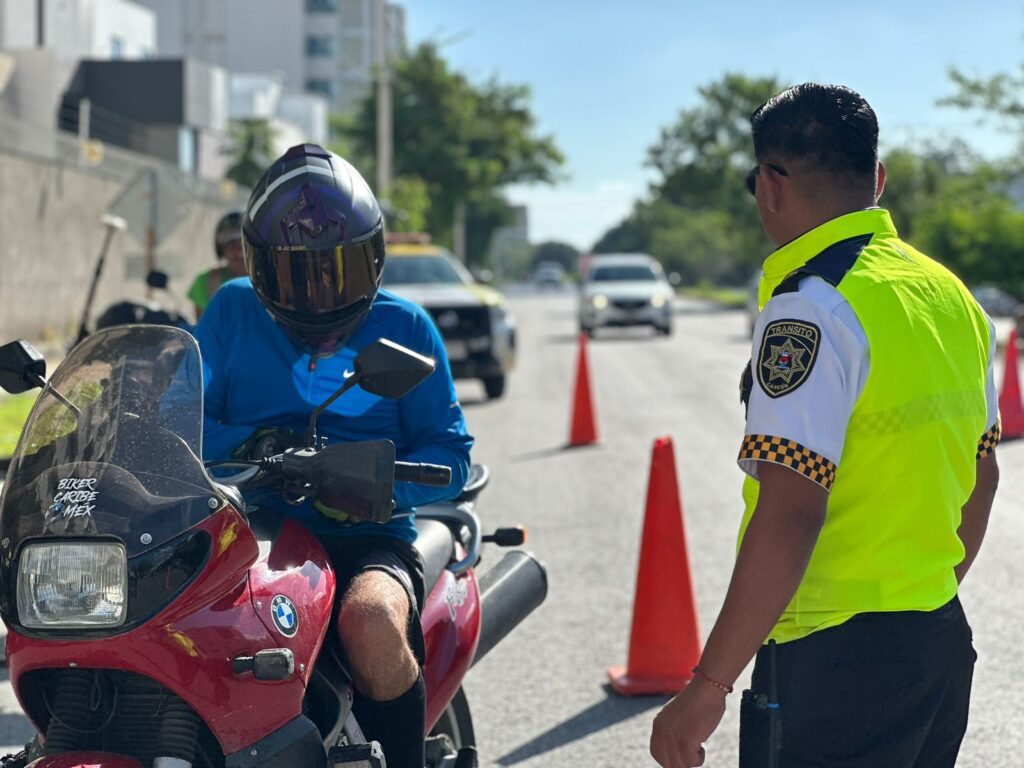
(387, 369)
(157, 279)
(21, 367)
(384, 369)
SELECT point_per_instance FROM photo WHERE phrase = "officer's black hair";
(827, 128)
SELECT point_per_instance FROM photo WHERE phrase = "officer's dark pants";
(883, 690)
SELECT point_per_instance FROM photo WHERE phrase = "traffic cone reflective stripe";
(583, 430)
(664, 643)
(1011, 408)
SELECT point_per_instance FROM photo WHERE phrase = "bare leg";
(372, 625)
(390, 697)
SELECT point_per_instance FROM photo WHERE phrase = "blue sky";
(606, 76)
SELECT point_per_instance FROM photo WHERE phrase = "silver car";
(625, 289)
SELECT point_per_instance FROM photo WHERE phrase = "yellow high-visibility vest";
(889, 542)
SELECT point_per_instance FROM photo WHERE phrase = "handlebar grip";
(423, 474)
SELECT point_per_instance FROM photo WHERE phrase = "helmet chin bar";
(322, 340)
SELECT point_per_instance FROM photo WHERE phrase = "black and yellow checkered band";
(990, 440)
(789, 453)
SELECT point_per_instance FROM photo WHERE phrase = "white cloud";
(576, 215)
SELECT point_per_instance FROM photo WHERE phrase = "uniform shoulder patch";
(788, 351)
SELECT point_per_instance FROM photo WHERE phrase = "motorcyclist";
(277, 344)
(227, 243)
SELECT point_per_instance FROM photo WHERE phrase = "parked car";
(478, 329)
(549, 274)
(997, 302)
(625, 289)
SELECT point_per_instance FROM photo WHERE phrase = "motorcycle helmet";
(228, 229)
(313, 237)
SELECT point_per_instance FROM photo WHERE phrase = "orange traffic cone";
(1011, 409)
(664, 644)
(584, 426)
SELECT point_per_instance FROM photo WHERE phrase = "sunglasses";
(756, 170)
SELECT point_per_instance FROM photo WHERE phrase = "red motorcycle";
(156, 621)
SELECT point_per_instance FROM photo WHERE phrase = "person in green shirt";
(227, 241)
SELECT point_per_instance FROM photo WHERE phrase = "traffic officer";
(869, 450)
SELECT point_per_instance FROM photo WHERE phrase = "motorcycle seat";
(479, 476)
(436, 546)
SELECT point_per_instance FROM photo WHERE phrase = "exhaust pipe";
(509, 592)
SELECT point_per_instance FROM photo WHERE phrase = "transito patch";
(788, 351)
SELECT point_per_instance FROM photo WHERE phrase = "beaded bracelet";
(727, 689)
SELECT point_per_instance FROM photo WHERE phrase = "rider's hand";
(685, 723)
(348, 514)
(266, 442)
(334, 514)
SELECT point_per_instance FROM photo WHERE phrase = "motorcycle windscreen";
(127, 463)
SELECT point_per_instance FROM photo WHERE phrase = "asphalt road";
(540, 698)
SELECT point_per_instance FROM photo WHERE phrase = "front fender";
(85, 760)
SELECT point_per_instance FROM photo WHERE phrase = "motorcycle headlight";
(74, 584)
(599, 301)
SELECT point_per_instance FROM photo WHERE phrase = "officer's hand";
(684, 724)
(267, 441)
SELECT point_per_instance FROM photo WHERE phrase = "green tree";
(560, 253)
(1000, 97)
(701, 160)
(703, 157)
(250, 151)
(915, 178)
(340, 126)
(699, 244)
(973, 227)
(464, 140)
(486, 211)
(972, 223)
(409, 202)
(631, 235)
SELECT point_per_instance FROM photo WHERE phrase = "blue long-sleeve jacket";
(255, 376)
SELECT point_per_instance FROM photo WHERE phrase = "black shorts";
(885, 690)
(353, 555)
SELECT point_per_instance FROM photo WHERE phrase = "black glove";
(266, 442)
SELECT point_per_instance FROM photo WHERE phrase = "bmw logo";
(286, 618)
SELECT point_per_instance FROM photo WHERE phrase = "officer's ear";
(773, 194)
(880, 183)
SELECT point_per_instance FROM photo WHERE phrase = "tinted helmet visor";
(317, 284)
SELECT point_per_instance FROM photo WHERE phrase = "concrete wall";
(52, 235)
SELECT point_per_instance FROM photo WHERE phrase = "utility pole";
(459, 231)
(84, 118)
(151, 223)
(385, 137)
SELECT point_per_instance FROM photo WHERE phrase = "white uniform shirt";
(814, 414)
